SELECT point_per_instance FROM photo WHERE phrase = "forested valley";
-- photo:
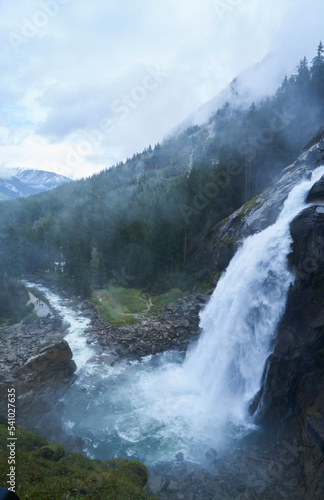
(144, 223)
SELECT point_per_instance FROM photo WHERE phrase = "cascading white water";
(165, 404)
(240, 320)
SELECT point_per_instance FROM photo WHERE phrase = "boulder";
(53, 366)
(317, 192)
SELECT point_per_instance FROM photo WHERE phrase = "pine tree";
(252, 110)
(318, 61)
(317, 72)
(303, 73)
(285, 85)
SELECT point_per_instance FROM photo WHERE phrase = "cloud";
(300, 32)
(5, 172)
(68, 70)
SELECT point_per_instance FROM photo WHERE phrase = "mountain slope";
(253, 84)
(147, 220)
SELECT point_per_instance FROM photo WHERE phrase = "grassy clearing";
(119, 306)
(48, 472)
(168, 299)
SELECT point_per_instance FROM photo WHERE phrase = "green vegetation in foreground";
(48, 472)
(120, 306)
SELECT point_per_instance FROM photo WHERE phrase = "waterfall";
(170, 402)
(241, 318)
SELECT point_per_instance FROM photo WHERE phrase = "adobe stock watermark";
(31, 27)
(280, 120)
(11, 440)
(121, 109)
(225, 7)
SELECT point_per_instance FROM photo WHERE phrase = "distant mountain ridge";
(18, 182)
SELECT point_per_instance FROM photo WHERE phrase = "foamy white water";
(239, 322)
(170, 403)
(77, 324)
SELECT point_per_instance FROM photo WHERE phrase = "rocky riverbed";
(292, 468)
(20, 342)
(174, 328)
(38, 362)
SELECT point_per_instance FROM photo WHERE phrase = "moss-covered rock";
(48, 472)
(135, 472)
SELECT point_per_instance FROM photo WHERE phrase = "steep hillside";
(143, 223)
(253, 84)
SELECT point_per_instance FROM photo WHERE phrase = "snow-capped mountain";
(40, 179)
(18, 182)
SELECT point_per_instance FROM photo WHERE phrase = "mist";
(6, 173)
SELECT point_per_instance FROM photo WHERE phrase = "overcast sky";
(86, 84)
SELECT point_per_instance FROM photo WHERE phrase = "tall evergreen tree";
(317, 72)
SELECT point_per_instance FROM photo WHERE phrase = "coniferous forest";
(143, 222)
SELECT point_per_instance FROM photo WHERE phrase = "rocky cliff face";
(293, 385)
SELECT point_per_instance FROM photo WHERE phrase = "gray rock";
(293, 376)
(184, 323)
(317, 192)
